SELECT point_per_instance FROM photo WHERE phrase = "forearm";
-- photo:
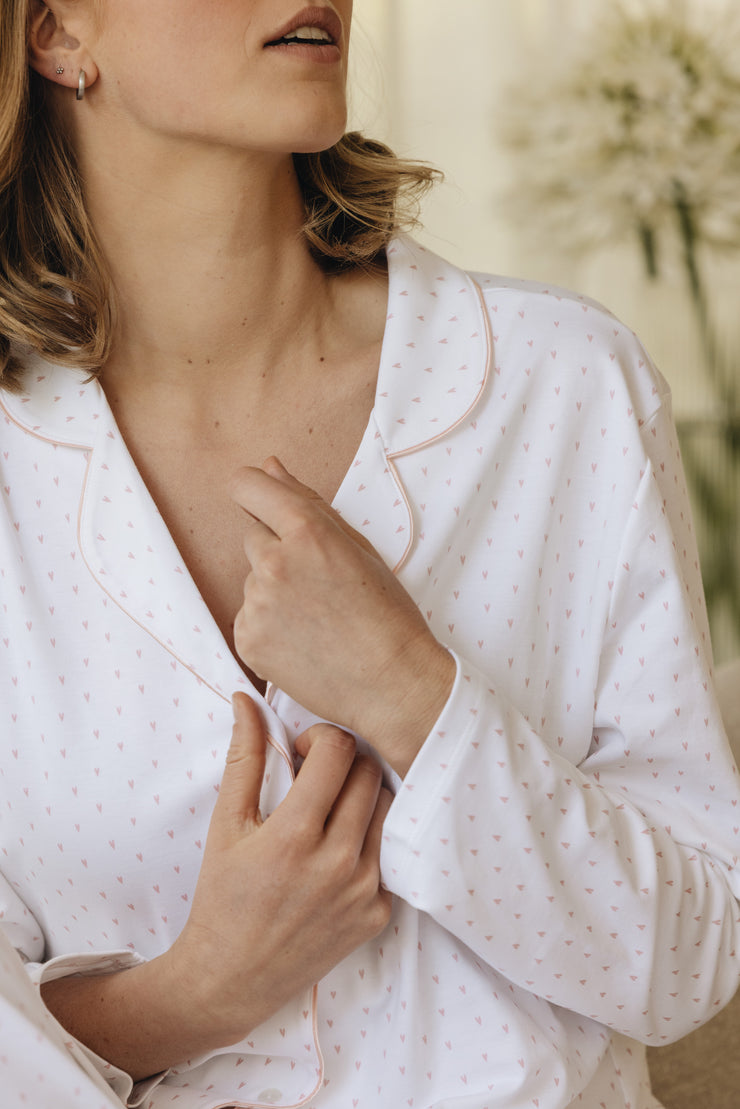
(278, 903)
(142, 1020)
(399, 723)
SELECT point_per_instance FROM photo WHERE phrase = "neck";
(210, 271)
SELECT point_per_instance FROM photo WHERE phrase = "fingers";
(272, 497)
(239, 794)
(273, 501)
(361, 804)
(354, 807)
(306, 740)
(328, 762)
(274, 506)
(274, 468)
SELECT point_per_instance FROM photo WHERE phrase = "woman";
(501, 608)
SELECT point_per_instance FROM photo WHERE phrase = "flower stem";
(713, 353)
(649, 249)
(717, 505)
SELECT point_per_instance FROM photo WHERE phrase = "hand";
(327, 621)
(279, 903)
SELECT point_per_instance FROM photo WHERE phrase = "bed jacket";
(563, 851)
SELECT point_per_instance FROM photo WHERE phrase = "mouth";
(314, 29)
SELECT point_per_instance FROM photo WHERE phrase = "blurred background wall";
(435, 80)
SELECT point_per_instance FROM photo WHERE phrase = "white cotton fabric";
(564, 849)
(40, 1066)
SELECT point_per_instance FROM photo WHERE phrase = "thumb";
(237, 807)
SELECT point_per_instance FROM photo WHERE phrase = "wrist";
(136, 1019)
(414, 699)
(216, 1017)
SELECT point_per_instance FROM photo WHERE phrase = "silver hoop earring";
(81, 85)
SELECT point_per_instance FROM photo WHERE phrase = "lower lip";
(326, 54)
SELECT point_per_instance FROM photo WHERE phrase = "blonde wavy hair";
(55, 296)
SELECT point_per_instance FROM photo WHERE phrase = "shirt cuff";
(131, 1093)
(430, 778)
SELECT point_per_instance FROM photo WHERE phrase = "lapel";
(436, 351)
(130, 552)
(122, 536)
(434, 365)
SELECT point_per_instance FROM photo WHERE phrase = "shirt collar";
(59, 404)
(435, 360)
(437, 349)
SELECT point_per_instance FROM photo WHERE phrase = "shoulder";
(572, 342)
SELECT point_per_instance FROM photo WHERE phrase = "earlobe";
(56, 54)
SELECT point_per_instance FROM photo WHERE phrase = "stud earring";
(81, 85)
(60, 69)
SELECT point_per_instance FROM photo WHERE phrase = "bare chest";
(187, 476)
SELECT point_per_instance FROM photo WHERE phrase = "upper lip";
(326, 19)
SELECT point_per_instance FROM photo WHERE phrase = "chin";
(319, 130)
(316, 145)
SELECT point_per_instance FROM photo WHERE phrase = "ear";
(56, 53)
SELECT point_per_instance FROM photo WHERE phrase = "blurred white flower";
(637, 129)
(637, 133)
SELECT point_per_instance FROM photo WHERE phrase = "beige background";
(433, 78)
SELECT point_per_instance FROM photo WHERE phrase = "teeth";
(315, 34)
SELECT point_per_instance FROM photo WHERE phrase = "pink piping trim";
(392, 456)
(234, 1104)
(489, 353)
(407, 502)
(90, 447)
(273, 743)
(44, 438)
(271, 740)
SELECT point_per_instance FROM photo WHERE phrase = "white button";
(270, 1097)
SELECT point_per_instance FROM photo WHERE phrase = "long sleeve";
(564, 844)
(37, 1067)
(607, 884)
(22, 972)
(285, 1044)
(114, 727)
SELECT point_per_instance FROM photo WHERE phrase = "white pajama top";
(563, 852)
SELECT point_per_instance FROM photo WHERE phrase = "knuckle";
(368, 882)
(310, 528)
(272, 563)
(365, 764)
(385, 800)
(300, 835)
(245, 620)
(344, 865)
(337, 739)
(241, 624)
(306, 515)
(247, 644)
(380, 912)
